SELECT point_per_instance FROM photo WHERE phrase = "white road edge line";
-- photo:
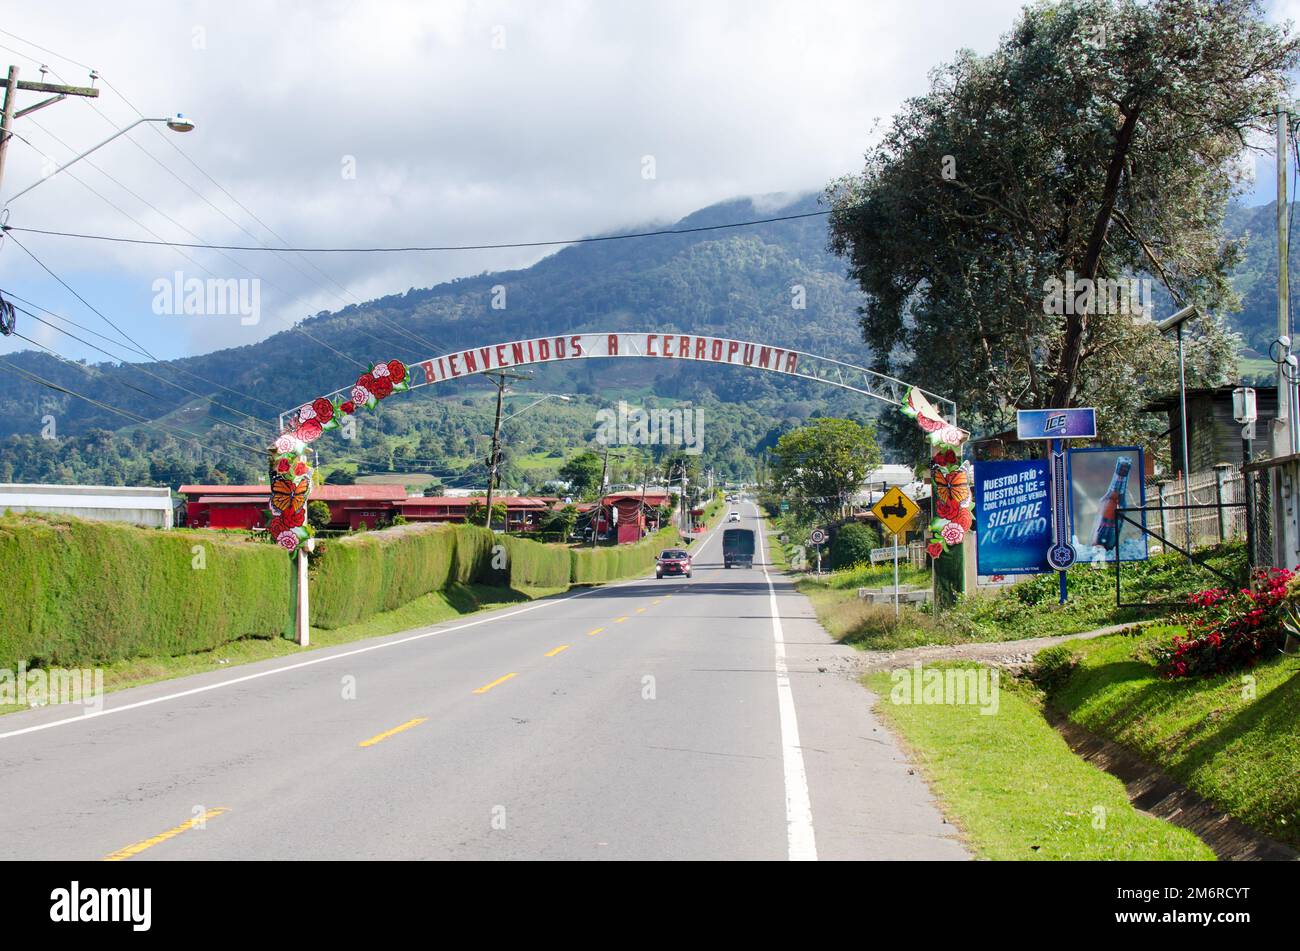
(801, 842)
(95, 714)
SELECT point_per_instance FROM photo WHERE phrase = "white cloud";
(455, 140)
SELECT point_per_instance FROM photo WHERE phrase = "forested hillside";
(740, 283)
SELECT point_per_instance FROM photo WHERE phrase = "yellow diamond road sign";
(895, 511)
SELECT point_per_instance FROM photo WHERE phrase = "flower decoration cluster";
(954, 503)
(1233, 629)
(291, 464)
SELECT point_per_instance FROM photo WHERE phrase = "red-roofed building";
(225, 506)
(245, 506)
(630, 514)
(523, 513)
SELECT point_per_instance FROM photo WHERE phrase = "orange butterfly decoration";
(287, 494)
(951, 486)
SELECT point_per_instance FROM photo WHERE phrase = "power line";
(140, 347)
(187, 257)
(391, 324)
(121, 412)
(117, 239)
(10, 293)
(137, 368)
(80, 366)
(44, 50)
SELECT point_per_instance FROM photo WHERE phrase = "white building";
(137, 505)
(880, 480)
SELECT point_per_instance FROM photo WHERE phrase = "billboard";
(1013, 517)
(1101, 481)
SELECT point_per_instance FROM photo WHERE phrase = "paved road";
(674, 719)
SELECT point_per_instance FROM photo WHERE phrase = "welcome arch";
(291, 465)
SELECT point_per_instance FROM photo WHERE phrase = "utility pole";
(600, 496)
(1285, 409)
(494, 459)
(11, 111)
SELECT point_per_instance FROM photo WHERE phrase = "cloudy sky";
(439, 122)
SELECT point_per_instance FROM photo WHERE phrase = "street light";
(177, 123)
(1175, 322)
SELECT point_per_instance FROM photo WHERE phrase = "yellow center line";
(562, 647)
(595, 632)
(657, 601)
(397, 729)
(620, 620)
(640, 610)
(138, 847)
(500, 680)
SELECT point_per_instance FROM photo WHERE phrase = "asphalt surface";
(673, 719)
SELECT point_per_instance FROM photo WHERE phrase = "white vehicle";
(733, 517)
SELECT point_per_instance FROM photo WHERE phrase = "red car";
(673, 561)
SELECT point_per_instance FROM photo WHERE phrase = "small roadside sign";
(895, 510)
(1073, 423)
(817, 537)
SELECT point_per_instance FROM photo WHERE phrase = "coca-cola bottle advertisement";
(1104, 482)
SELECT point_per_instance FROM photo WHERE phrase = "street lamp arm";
(176, 124)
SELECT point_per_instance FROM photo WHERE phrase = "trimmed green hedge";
(360, 575)
(595, 565)
(79, 592)
(534, 565)
(85, 591)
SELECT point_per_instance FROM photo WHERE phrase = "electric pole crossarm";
(90, 91)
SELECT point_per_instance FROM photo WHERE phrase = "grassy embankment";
(1027, 609)
(1017, 792)
(1233, 738)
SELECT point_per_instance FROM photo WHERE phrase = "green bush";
(853, 544)
(80, 592)
(1053, 666)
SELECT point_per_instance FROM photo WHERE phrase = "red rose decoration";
(292, 519)
(276, 526)
(300, 468)
(397, 370)
(309, 431)
(948, 508)
(945, 458)
(348, 407)
(964, 518)
(367, 380)
(382, 387)
(282, 465)
(935, 549)
(324, 409)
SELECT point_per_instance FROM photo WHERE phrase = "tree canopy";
(820, 466)
(1100, 141)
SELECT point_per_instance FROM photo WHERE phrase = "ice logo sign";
(1055, 424)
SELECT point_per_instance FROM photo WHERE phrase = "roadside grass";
(434, 608)
(1016, 790)
(1233, 738)
(1026, 609)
